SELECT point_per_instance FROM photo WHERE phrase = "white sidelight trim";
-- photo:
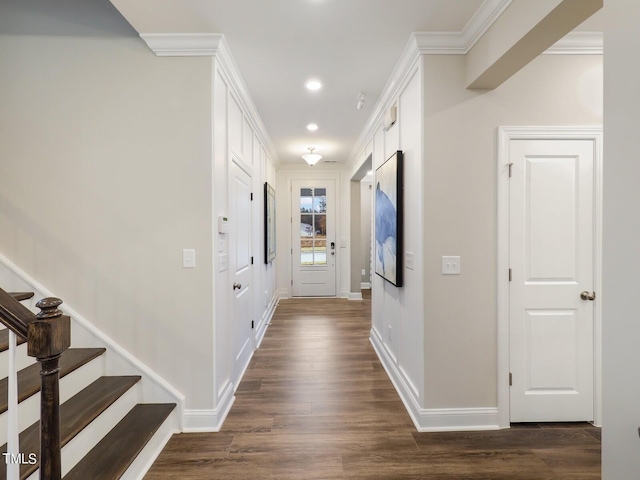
(505, 135)
(209, 420)
(433, 419)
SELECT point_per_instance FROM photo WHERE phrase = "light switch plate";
(188, 258)
(224, 263)
(409, 259)
(451, 265)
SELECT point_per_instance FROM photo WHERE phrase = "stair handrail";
(48, 335)
(14, 315)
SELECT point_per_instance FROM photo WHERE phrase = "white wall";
(366, 204)
(460, 206)
(621, 262)
(235, 132)
(398, 313)
(105, 154)
(112, 161)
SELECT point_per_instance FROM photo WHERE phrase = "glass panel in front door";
(313, 226)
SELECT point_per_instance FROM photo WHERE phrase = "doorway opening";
(361, 230)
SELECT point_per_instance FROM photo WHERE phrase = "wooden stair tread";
(20, 296)
(111, 457)
(29, 378)
(4, 340)
(75, 414)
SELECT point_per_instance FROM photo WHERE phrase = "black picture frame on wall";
(389, 213)
(269, 223)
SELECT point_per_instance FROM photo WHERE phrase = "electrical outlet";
(451, 265)
(389, 337)
(364, 272)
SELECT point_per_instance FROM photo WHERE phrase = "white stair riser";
(29, 409)
(152, 449)
(22, 360)
(88, 438)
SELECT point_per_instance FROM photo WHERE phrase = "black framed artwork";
(389, 219)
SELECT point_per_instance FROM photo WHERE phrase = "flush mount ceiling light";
(313, 85)
(312, 127)
(311, 158)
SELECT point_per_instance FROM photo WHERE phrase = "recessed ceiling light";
(313, 85)
(312, 127)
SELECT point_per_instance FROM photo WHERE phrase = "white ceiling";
(352, 46)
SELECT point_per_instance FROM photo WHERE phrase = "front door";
(552, 280)
(240, 269)
(313, 238)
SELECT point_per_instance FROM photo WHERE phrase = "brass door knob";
(591, 296)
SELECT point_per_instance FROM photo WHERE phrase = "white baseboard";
(355, 296)
(266, 319)
(209, 420)
(155, 382)
(365, 286)
(283, 293)
(433, 419)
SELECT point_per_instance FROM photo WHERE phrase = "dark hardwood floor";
(315, 403)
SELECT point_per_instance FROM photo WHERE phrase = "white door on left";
(240, 270)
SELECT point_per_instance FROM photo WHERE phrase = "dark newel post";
(47, 338)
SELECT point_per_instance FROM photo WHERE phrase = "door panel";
(314, 246)
(551, 257)
(240, 268)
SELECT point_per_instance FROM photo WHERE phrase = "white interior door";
(314, 247)
(240, 269)
(552, 261)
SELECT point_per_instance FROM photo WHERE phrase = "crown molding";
(183, 44)
(458, 43)
(482, 20)
(213, 45)
(578, 43)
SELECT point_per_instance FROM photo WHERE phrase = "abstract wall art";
(388, 219)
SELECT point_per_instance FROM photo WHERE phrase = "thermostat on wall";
(223, 224)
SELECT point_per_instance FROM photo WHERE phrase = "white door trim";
(505, 135)
(290, 177)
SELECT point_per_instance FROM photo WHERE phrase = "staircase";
(105, 433)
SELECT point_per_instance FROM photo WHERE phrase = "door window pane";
(313, 226)
(306, 200)
(320, 200)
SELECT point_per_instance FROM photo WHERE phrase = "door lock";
(237, 286)
(591, 296)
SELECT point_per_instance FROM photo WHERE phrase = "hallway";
(315, 403)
